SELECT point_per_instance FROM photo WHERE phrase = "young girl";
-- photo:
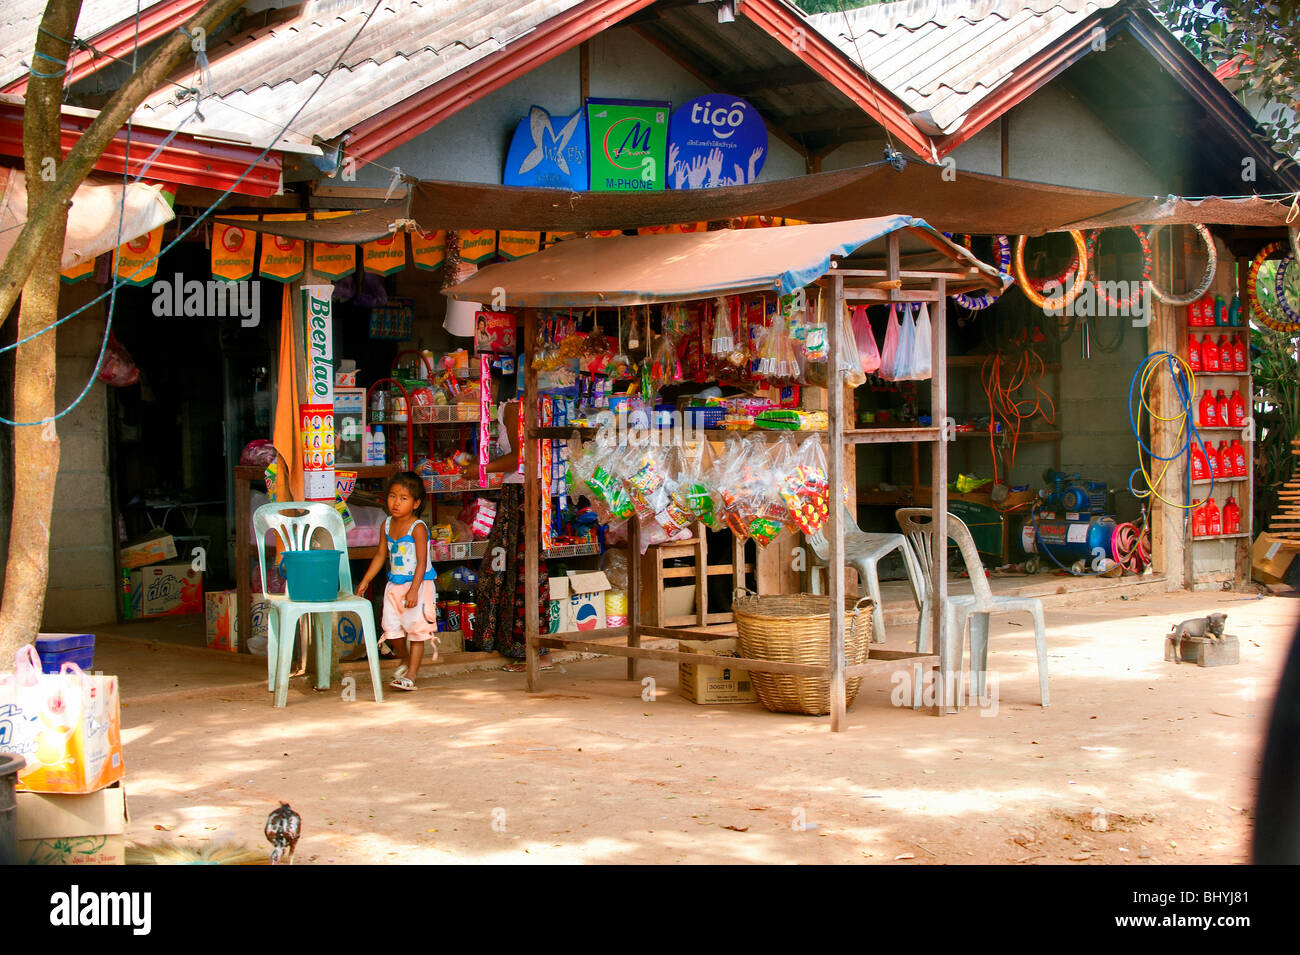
(410, 617)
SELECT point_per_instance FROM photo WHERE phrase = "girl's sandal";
(404, 683)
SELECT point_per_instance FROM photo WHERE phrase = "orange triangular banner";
(516, 245)
(428, 249)
(136, 262)
(477, 245)
(385, 256)
(329, 260)
(283, 260)
(233, 250)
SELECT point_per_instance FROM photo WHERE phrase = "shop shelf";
(1222, 537)
(1026, 437)
(1223, 480)
(587, 549)
(977, 361)
(461, 550)
(445, 414)
(446, 484)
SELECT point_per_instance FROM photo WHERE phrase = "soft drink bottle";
(1222, 406)
(1200, 467)
(1237, 410)
(1210, 355)
(1209, 410)
(1194, 353)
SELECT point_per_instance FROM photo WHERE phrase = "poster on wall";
(548, 151)
(713, 141)
(627, 144)
(318, 411)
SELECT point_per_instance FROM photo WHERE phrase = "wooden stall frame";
(844, 285)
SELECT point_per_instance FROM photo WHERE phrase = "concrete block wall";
(82, 589)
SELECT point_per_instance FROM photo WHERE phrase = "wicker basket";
(796, 629)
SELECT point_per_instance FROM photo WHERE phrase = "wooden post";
(243, 554)
(634, 592)
(835, 521)
(939, 470)
(532, 504)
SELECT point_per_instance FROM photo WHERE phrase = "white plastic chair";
(864, 551)
(960, 609)
(294, 523)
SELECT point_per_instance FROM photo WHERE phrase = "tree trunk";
(36, 447)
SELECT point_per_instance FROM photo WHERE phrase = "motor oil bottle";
(1213, 519)
(1220, 311)
(1209, 410)
(1222, 406)
(1237, 410)
(1226, 359)
(1193, 353)
(1227, 466)
(1209, 355)
(1200, 523)
(1239, 355)
(1231, 517)
(1200, 468)
(1239, 465)
(1234, 311)
(1211, 461)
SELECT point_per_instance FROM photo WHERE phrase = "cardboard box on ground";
(1270, 559)
(577, 601)
(348, 632)
(160, 590)
(58, 829)
(154, 547)
(709, 683)
(221, 621)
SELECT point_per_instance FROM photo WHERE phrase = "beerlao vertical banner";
(283, 260)
(387, 255)
(477, 245)
(233, 250)
(317, 414)
(428, 249)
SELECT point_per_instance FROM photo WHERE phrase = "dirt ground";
(1137, 761)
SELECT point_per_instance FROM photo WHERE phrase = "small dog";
(1211, 626)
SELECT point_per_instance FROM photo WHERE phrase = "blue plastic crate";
(56, 649)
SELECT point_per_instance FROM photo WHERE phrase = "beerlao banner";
(233, 249)
(605, 233)
(78, 272)
(477, 245)
(283, 260)
(329, 260)
(686, 227)
(428, 249)
(385, 256)
(516, 245)
(136, 262)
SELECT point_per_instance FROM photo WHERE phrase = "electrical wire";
(1026, 369)
(111, 293)
(1184, 380)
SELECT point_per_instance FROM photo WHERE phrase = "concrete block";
(69, 608)
(80, 527)
(81, 566)
(1206, 651)
(81, 489)
(83, 451)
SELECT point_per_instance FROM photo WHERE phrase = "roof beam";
(784, 24)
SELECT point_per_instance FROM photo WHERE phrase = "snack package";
(921, 365)
(889, 353)
(850, 363)
(596, 469)
(805, 487)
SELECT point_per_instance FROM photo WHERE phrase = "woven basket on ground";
(795, 628)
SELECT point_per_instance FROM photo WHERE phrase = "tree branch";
(82, 157)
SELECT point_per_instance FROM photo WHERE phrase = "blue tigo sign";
(550, 152)
(715, 140)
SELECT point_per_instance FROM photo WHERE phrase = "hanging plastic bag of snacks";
(921, 366)
(599, 470)
(889, 353)
(805, 487)
(868, 354)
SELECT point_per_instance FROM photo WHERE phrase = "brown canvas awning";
(639, 270)
(1213, 210)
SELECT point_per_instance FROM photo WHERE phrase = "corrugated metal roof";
(942, 57)
(20, 18)
(263, 76)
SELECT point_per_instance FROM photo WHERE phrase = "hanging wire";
(111, 294)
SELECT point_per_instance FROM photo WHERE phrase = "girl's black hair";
(411, 481)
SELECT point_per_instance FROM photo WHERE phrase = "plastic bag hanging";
(921, 366)
(889, 353)
(868, 354)
(850, 364)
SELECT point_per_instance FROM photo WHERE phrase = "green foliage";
(831, 6)
(1277, 416)
(1267, 37)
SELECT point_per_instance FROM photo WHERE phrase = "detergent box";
(221, 619)
(578, 601)
(167, 589)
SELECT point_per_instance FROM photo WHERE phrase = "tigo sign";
(715, 141)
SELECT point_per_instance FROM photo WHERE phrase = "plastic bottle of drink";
(1209, 410)
(378, 451)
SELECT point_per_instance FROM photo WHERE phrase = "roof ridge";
(912, 15)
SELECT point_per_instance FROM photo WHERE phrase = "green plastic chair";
(294, 523)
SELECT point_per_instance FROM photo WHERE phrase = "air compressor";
(1072, 522)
